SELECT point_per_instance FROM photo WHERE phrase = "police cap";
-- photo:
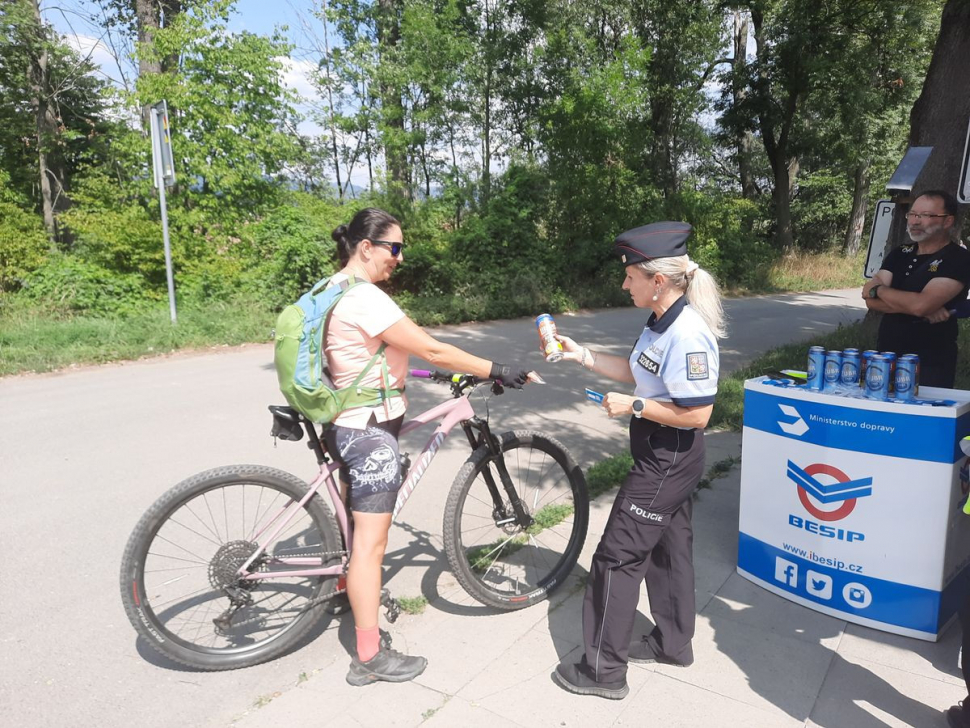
(657, 240)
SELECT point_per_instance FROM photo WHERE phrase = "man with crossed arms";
(919, 285)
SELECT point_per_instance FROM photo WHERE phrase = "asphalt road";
(84, 452)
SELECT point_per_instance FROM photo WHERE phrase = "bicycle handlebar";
(459, 382)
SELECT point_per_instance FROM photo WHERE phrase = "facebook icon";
(786, 572)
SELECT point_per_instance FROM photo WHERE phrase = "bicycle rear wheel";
(179, 572)
(496, 560)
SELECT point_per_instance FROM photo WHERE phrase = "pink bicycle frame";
(451, 413)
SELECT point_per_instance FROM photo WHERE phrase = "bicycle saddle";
(286, 423)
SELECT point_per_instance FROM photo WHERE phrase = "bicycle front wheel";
(180, 572)
(496, 560)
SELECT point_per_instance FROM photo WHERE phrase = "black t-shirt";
(906, 334)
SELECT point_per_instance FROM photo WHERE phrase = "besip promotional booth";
(853, 507)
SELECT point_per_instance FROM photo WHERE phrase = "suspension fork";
(495, 457)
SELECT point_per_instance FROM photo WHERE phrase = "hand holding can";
(548, 342)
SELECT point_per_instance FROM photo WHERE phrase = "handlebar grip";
(420, 373)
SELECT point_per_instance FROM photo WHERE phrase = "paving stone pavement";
(123, 434)
(760, 660)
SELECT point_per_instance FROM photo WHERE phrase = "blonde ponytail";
(703, 293)
(704, 296)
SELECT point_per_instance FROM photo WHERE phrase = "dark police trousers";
(964, 617)
(648, 536)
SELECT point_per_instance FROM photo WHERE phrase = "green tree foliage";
(513, 139)
(55, 113)
(825, 94)
(232, 118)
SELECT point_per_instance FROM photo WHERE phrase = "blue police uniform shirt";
(676, 358)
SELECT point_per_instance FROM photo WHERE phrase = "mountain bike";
(233, 566)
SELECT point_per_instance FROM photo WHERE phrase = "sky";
(72, 18)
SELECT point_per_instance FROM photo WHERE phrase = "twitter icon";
(818, 585)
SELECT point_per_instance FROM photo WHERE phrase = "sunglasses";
(396, 248)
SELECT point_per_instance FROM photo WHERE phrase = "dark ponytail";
(370, 223)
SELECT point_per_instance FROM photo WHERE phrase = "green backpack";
(301, 362)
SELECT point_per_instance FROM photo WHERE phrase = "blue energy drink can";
(863, 364)
(877, 378)
(907, 377)
(892, 357)
(850, 368)
(816, 365)
(832, 374)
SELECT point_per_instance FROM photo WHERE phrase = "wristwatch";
(872, 291)
(638, 408)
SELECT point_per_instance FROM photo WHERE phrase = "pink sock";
(368, 643)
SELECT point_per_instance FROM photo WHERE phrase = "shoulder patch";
(697, 365)
(649, 364)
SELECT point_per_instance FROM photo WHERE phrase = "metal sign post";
(164, 175)
(963, 190)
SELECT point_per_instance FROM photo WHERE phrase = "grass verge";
(729, 405)
(609, 473)
(32, 339)
(814, 272)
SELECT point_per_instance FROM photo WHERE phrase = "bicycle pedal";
(391, 606)
(386, 640)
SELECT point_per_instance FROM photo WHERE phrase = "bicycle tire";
(171, 586)
(539, 466)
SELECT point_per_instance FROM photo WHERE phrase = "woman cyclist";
(364, 440)
(673, 367)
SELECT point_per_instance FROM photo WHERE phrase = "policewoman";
(673, 367)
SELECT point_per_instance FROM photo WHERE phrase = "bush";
(113, 231)
(293, 250)
(23, 242)
(725, 241)
(430, 266)
(820, 211)
(504, 241)
(66, 284)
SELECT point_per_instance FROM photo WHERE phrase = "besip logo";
(797, 428)
(839, 489)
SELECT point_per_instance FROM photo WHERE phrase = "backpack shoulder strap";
(386, 392)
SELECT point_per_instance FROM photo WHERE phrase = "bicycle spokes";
(521, 545)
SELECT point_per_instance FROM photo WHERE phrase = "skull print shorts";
(370, 464)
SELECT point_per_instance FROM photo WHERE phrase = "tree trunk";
(148, 16)
(333, 113)
(486, 188)
(775, 138)
(44, 120)
(860, 205)
(392, 106)
(782, 199)
(662, 72)
(939, 116)
(743, 137)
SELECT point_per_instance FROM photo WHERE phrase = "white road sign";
(882, 221)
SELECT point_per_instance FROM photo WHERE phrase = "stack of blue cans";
(871, 374)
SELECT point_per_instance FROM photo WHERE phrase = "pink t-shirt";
(353, 337)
